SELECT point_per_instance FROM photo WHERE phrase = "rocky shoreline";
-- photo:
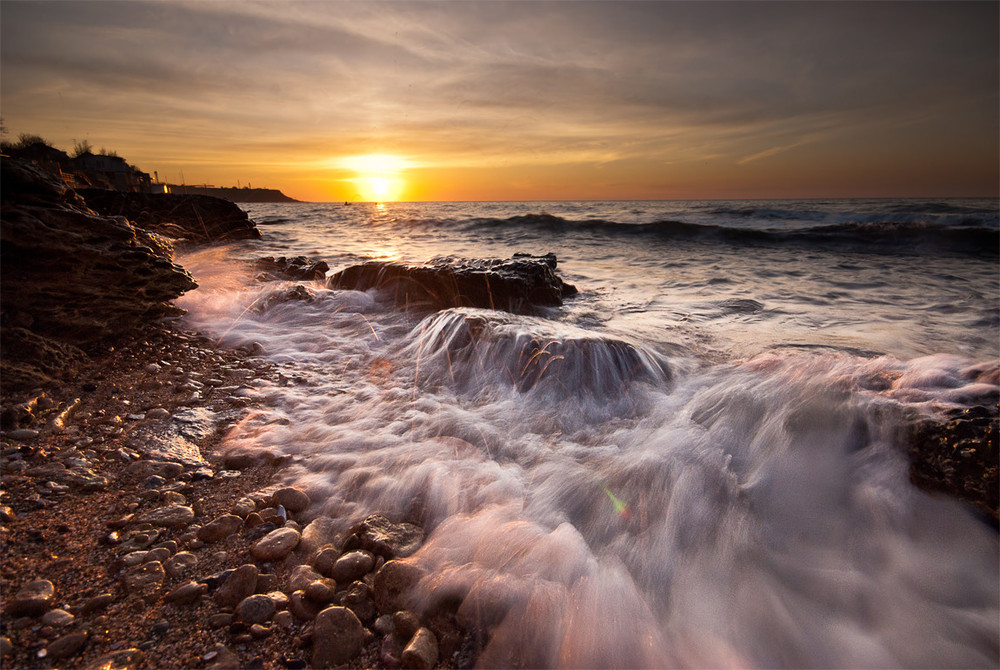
(128, 542)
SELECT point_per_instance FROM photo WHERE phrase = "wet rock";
(276, 545)
(186, 593)
(32, 599)
(171, 516)
(255, 609)
(392, 583)
(405, 624)
(180, 564)
(291, 498)
(518, 284)
(145, 579)
(352, 565)
(241, 584)
(194, 218)
(67, 645)
(284, 620)
(320, 531)
(321, 591)
(177, 440)
(422, 651)
(337, 637)
(958, 454)
(299, 268)
(381, 536)
(220, 528)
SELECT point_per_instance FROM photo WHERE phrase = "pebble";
(220, 620)
(220, 528)
(392, 582)
(255, 609)
(276, 545)
(405, 624)
(144, 579)
(243, 507)
(134, 558)
(284, 619)
(123, 659)
(186, 593)
(280, 598)
(180, 563)
(301, 576)
(325, 560)
(422, 651)
(259, 631)
(267, 581)
(32, 599)
(5, 646)
(321, 591)
(174, 498)
(171, 516)
(221, 657)
(291, 498)
(301, 607)
(67, 645)
(160, 555)
(97, 603)
(57, 618)
(239, 585)
(352, 565)
(157, 414)
(337, 637)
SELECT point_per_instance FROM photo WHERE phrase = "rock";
(160, 555)
(219, 528)
(255, 609)
(97, 603)
(145, 579)
(125, 659)
(177, 440)
(319, 532)
(352, 565)
(299, 268)
(221, 620)
(243, 507)
(267, 581)
(194, 218)
(241, 584)
(186, 593)
(180, 564)
(5, 646)
(292, 499)
(518, 284)
(259, 632)
(21, 434)
(959, 454)
(58, 618)
(157, 414)
(393, 581)
(67, 645)
(239, 460)
(405, 624)
(321, 591)
(32, 599)
(337, 637)
(77, 476)
(221, 658)
(302, 607)
(325, 560)
(301, 576)
(165, 469)
(422, 651)
(284, 620)
(379, 535)
(76, 278)
(276, 545)
(171, 516)
(360, 600)
(280, 599)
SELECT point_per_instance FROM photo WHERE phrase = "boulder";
(193, 218)
(520, 284)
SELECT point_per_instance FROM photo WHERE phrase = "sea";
(697, 461)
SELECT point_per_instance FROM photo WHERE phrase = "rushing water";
(696, 462)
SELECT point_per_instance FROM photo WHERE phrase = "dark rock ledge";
(520, 284)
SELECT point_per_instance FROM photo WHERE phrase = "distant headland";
(106, 169)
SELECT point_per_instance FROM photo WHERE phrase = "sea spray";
(599, 493)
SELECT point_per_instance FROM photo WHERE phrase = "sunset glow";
(520, 101)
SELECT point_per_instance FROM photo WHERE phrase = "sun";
(378, 177)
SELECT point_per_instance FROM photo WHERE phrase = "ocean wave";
(969, 234)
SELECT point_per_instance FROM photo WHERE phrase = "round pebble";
(276, 545)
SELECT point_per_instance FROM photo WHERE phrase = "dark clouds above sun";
(522, 100)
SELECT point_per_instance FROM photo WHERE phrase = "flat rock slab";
(177, 439)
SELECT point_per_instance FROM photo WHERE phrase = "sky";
(333, 101)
